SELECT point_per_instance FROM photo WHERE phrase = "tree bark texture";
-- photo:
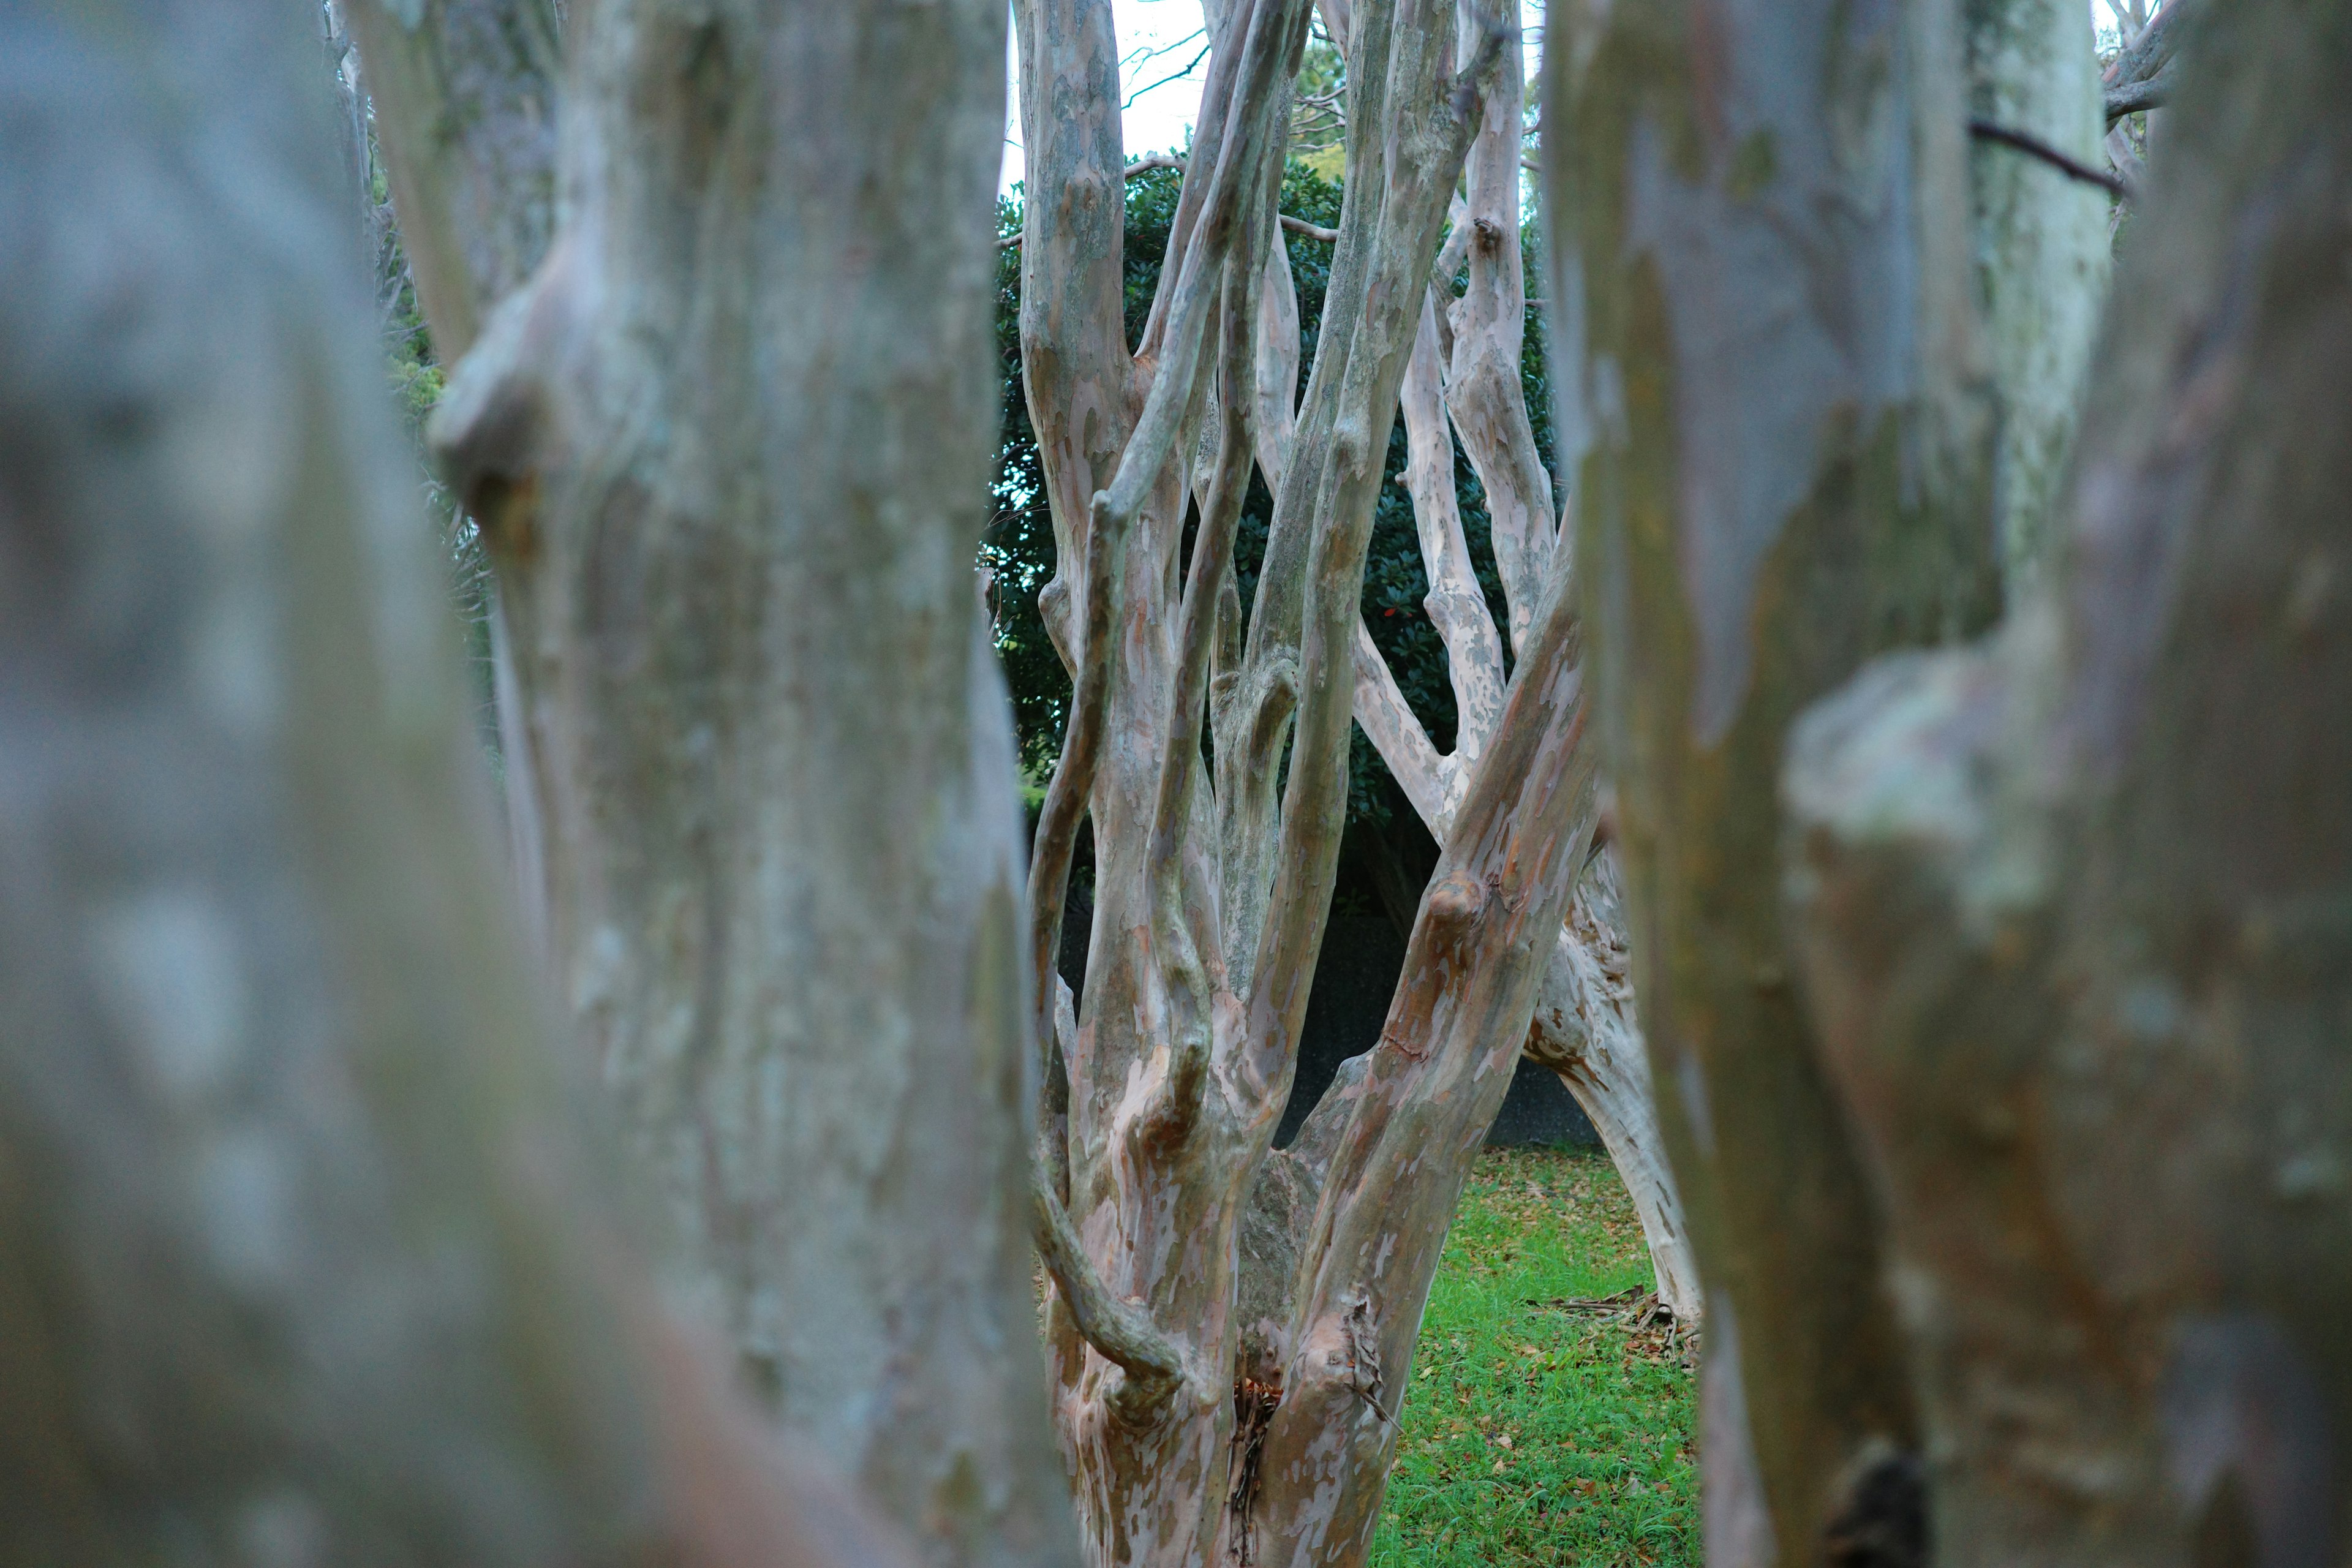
(1464, 376)
(1198, 1278)
(729, 447)
(300, 1256)
(2042, 249)
(2073, 901)
(1773, 405)
(464, 97)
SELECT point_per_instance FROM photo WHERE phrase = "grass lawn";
(1538, 1433)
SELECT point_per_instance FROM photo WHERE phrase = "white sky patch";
(1162, 96)
(1159, 39)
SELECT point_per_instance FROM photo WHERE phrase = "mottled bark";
(729, 447)
(1411, 1119)
(465, 95)
(1170, 1325)
(1779, 438)
(301, 1253)
(2073, 901)
(2042, 249)
(1469, 369)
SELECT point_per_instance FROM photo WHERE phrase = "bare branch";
(1238, 151)
(1456, 605)
(1183, 940)
(1484, 391)
(1403, 161)
(2152, 92)
(1121, 1330)
(2033, 146)
(2142, 75)
(1426, 776)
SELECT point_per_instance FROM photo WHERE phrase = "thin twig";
(2033, 146)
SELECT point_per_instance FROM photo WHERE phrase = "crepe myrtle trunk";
(1465, 379)
(1775, 417)
(463, 95)
(728, 447)
(1221, 1314)
(303, 1255)
(2041, 251)
(2073, 902)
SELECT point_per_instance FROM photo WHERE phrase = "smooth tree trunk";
(2073, 902)
(1777, 426)
(302, 1256)
(728, 447)
(1220, 1315)
(2042, 249)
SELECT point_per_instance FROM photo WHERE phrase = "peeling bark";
(1171, 1326)
(1467, 365)
(1779, 433)
(2072, 901)
(301, 1252)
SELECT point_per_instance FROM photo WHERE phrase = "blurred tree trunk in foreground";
(301, 1255)
(1778, 424)
(2076, 904)
(727, 446)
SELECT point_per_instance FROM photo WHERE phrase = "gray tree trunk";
(729, 447)
(302, 1259)
(2042, 249)
(464, 97)
(1779, 439)
(2073, 902)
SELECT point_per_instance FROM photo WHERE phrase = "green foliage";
(1019, 544)
(1538, 1430)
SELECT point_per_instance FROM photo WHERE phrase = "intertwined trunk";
(1225, 1395)
(302, 1256)
(2073, 901)
(1773, 413)
(728, 447)
(1464, 376)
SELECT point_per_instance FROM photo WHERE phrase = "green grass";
(1536, 1434)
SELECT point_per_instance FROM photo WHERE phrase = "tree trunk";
(1410, 1122)
(1195, 1277)
(1467, 365)
(2073, 902)
(465, 96)
(1586, 1030)
(2042, 249)
(302, 1259)
(1780, 443)
(729, 447)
